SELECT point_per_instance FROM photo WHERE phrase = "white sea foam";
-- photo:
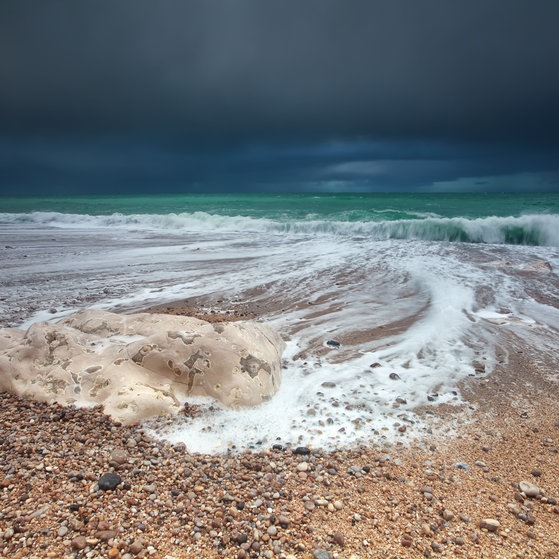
(426, 314)
(539, 229)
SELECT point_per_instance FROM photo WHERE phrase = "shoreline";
(449, 495)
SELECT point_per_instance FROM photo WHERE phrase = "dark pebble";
(302, 450)
(109, 481)
(529, 519)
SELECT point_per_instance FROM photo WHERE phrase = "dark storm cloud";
(187, 89)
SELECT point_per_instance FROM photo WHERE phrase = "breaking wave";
(533, 230)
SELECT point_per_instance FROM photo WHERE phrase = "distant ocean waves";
(533, 230)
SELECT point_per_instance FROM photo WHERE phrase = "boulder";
(141, 365)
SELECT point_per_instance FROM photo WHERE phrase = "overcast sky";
(262, 95)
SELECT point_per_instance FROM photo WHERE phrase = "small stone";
(118, 457)
(406, 541)
(514, 508)
(272, 531)
(529, 489)
(283, 521)
(62, 531)
(339, 538)
(448, 515)
(8, 534)
(302, 451)
(322, 554)
(136, 546)
(426, 529)
(528, 518)
(303, 466)
(394, 376)
(536, 473)
(114, 553)
(490, 524)
(109, 481)
(105, 535)
(79, 543)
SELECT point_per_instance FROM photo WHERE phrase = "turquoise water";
(525, 219)
(352, 207)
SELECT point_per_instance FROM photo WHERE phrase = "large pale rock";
(141, 365)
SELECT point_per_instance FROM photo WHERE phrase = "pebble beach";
(375, 329)
(484, 483)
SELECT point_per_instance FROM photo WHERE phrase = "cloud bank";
(137, 95)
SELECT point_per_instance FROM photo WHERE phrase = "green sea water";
(521, 219)
(347, 207)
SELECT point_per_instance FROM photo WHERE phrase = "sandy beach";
(484, 484)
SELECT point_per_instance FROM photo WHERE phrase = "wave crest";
(535, 230)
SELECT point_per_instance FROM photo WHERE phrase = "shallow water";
(413, 317)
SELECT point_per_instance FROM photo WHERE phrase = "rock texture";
(141, 365)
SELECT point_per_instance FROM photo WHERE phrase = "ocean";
(420, 293)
